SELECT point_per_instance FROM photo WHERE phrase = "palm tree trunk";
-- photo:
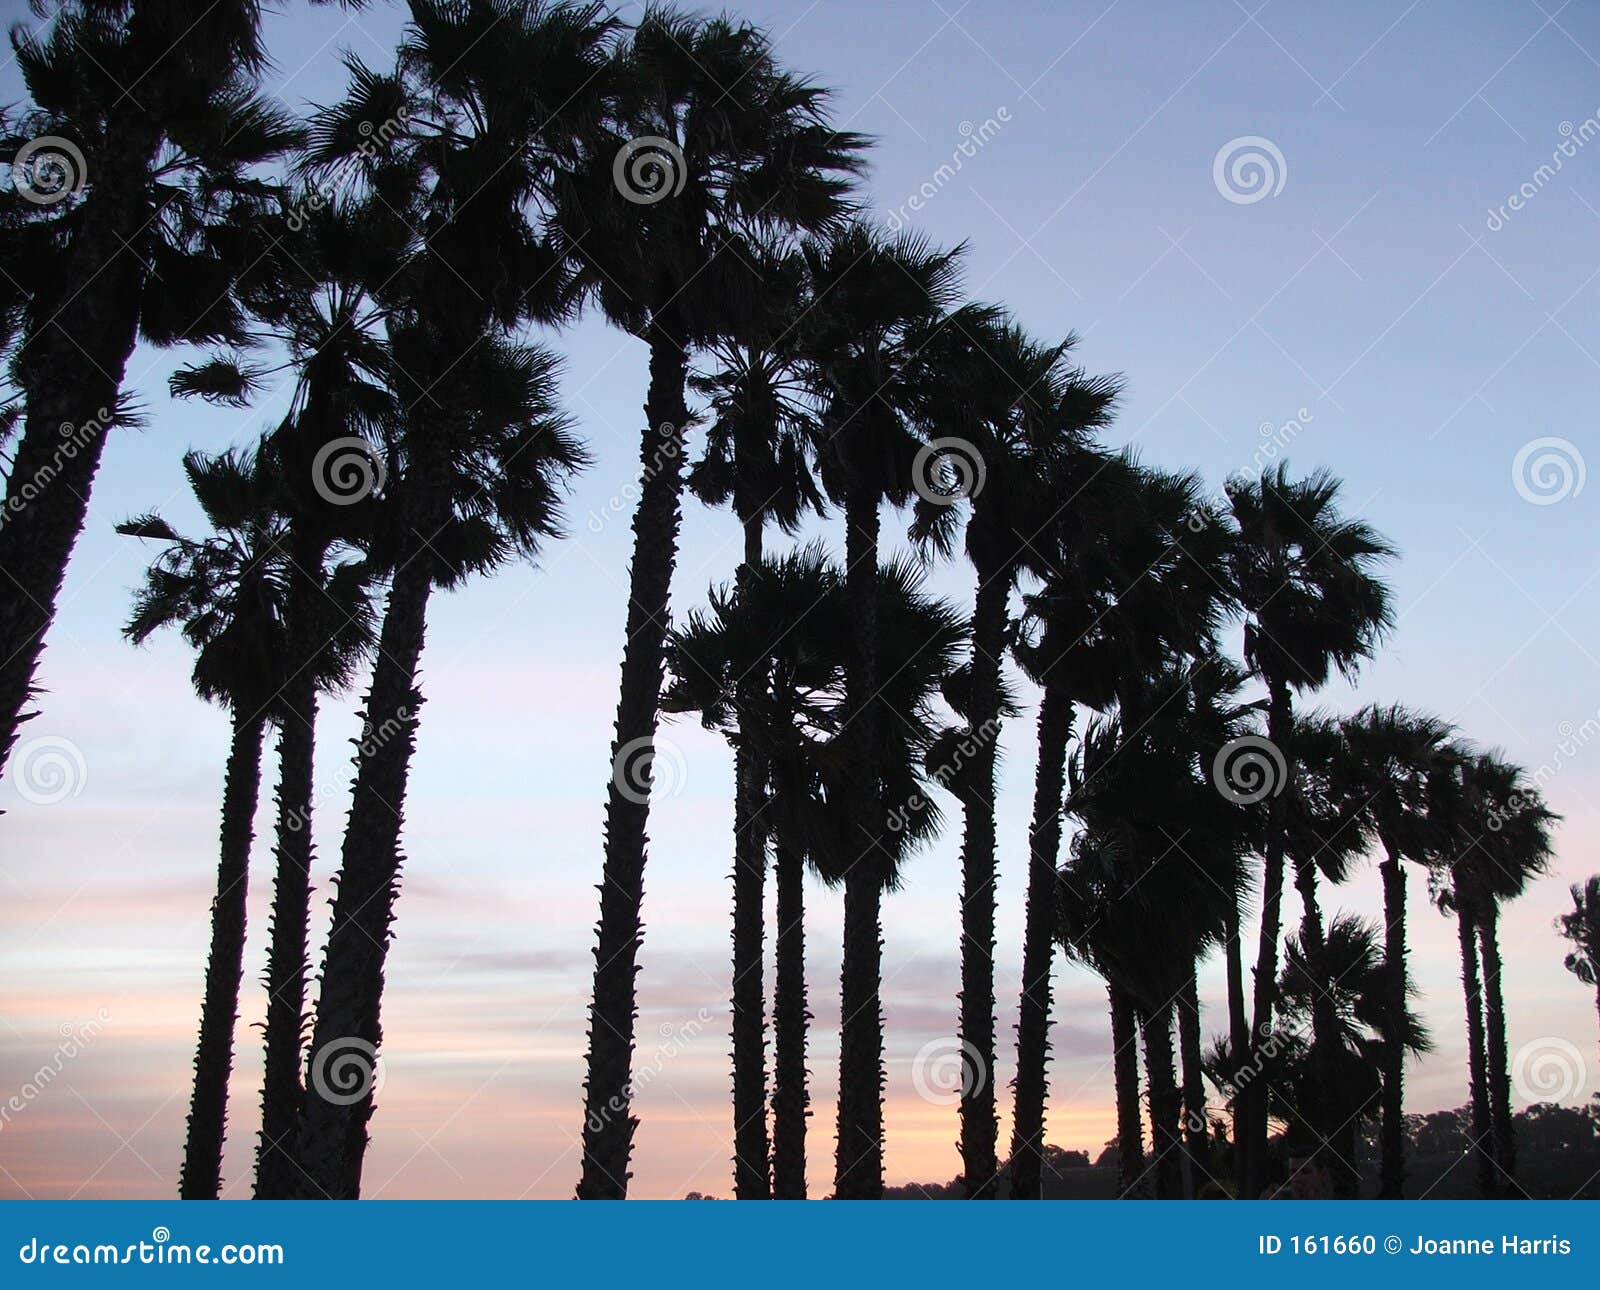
(342, 1068)
(1327, 1114)
(1165, 1112)
(1194, 1085)
(608, 1122)
(1125, 1077)
(1504, 1134)
(70, 369)
(751, 1180)
(1038, 947)
(858, 1159)
(789, 1017)
(1393, 1132)
(1238, 1031)
(1280, 719)
(1477, 1062)
(201, 1178)
(282, 1094)
(980, 1168)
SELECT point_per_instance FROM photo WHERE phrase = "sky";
(1369, 298)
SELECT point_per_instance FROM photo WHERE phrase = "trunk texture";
(342, 1072)
(1165, 1111)
(1494, 1007)
(201, 1178)
(1125, 1071)
(1330, 1112)
(1477, 1061)
(790, 1099)
(1194, 1088)
(1392, 1134)
(1238, 1032)
(1038, 947)
(980, 1167)
(608, 1122)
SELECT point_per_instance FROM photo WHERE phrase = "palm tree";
(1306, 579)
(879, 303)
(1389, 753)
(229, 592)
(759, 446)
(1134, 577)
(310, 288)
(1010, 407)
(713, 145)
(495, 97)
(128, 229)
(1581, 928)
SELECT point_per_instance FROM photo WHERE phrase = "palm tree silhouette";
(1306, 579)
(230, 593)
(150, 251)
(713, 145)
(1581, 929)
(1388, 754)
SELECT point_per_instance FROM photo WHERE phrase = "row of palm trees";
(391, 258)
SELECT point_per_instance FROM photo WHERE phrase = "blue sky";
(1367, 300)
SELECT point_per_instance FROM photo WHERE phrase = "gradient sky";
(1369, 300)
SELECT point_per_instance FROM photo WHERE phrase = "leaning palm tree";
(711, 144)
(124, 225)
(760, 442)
(879, 302)
(1010, 408)
(229, 592)
(1388, 754)
(1581, 929)
(1306, 578)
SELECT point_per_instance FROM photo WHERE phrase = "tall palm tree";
(758, 453)
(126, 225)
(496, 97)
(229, 593)
(879, 303)
(1389, 753)
(1134, 577)
(1012, 408)
(1581, 929)
(1306, 577)
(712, 145)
